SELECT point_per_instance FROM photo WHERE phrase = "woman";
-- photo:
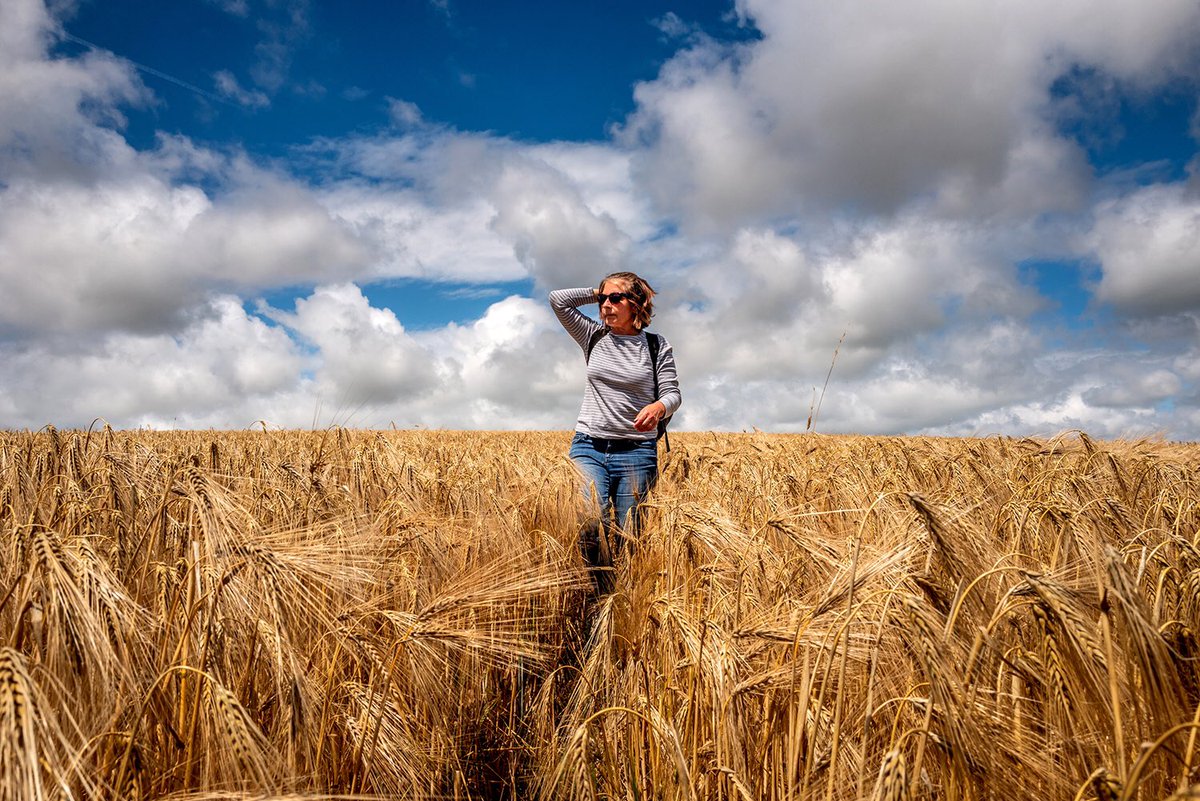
(615, 445)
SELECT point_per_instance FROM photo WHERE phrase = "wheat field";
(405, 614)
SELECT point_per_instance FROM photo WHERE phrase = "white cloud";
(26, 31)
(1057, 414)
(1131, 386)
(223, 366)
(512, 368)
(273, 234)
(442, 204)
(1187, 365)
(1148, 245)
(711, 160)
(601, 175)
(404, 114)
(227, 86)
(58, 115)
(558, 239)
(869, 106)
(777, 305)
(363, 354)
(412, 239)
(672, 26)
(137, 253)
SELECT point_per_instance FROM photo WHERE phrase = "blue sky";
(536, 71)
(220, 211)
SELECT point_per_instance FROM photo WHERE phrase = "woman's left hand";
(647, 419)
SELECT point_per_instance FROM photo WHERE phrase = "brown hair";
(642, 292)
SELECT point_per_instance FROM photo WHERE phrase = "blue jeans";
(618, 474)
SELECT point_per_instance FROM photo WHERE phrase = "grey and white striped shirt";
(619, 381)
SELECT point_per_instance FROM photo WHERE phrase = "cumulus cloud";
(443, 204)
(558, 239)
(869, 107)
(96, 236)
(1132, 387)
(58, 117)
(772, 305)
(333, 359)
(221, 368)
(411, 239)
(512, 368)
(138, 253)
(364, 354)
(1148, 246)
(1187, 365)
(602, 177)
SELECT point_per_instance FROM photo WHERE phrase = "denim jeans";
(619, 473)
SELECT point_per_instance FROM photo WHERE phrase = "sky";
(948, 217)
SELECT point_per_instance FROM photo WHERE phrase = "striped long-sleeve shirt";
(619, 381)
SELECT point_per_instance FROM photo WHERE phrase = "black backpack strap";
(596, 336)
(654, 342)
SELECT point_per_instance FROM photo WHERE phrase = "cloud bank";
(884, 174)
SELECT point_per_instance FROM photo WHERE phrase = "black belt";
(615, 445)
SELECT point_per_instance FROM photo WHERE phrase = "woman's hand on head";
(647, 419)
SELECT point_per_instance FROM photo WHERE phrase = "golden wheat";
(313, 614)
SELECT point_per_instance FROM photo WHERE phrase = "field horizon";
(404, 613)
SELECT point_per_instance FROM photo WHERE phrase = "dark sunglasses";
(613, 297)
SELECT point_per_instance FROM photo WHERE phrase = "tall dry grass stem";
(406, 615)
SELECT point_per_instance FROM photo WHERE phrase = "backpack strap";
(654, 341)
(596, 336)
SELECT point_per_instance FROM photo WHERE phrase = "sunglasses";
(613, 297)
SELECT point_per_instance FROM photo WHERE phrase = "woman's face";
(617, 316)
